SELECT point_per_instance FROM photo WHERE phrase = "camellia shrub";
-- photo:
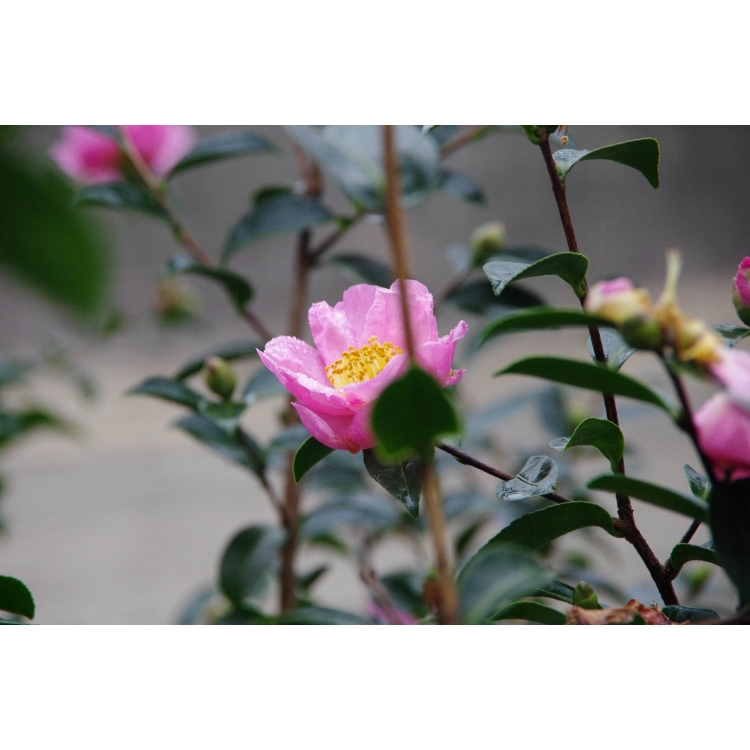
(374, 429)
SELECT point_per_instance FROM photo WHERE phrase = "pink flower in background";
(393, 617)
(724, 435)
(617, 300)
(741, 291)
(90, 157)
(733, 372)
(360, 350)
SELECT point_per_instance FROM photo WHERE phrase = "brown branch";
(462, 139)
(335, 236)
(181, 234)
(624, 506)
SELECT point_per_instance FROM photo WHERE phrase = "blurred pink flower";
(733, 371)
(91, 157)
(724, 434)
(617, 300)
(393, 617)
(360, 350)
(741, 291)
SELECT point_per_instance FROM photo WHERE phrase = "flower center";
(357, 365)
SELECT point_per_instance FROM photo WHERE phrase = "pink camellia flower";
(724, 435)
(732, 370)
(91, 157)
(392, 617)
(741, 291)
(617, 300)
(360, 350)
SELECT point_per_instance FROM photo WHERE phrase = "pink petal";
(733, 371)
(87, 155)
(436, 357)
(331, 330)
(385, 318)
(351, 433)
(724, 434)
(357, 394)
(161, 146)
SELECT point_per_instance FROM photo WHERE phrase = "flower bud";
(643, 331)
(741, 291)
(617, 300)
(695, 341)
(486, 240)
(220, 377)
(584, 596)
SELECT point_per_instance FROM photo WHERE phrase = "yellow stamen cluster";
(357, 365)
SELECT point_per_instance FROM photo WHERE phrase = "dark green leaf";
(677, 613)
(730, 524)
(558, 590)
(109, 130)
(120, 195)
(15, 597)
(223, 146)
(405, 588)
(411, 413)
(570, 267)
(228, 352)
(732, 335)
(531, 611)
(13, 372)
(699, 485)
(462, 186)
(641, 154)
(48, 243)
(592, 376)
(604, 435)
(321, 616)
(169, 390)
(476, 296)
(262, 384)
(238, 447)
(369, 270)
(496, 575)
(651, 493)
(684, 553)
(247, 562)
(276, 215)
(245, 615)
(538, 319)
(359, 510)
(466, 537)
(309, 454)
(536, 529)
(403, 479)
(291, 438)
(616, 350)
(308, 580)
(236, 287)
(226, 415)
(538, 477)
(14, 425)
(334, 474)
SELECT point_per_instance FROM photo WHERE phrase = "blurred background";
(125, 521)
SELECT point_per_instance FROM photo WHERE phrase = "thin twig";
(335, 236)
(182, 235)
(467, 136)
(624, 506)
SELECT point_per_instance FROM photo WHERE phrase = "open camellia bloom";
(92, 157)
(361, 348)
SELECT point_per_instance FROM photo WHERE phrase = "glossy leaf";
(367, 269)
(561, 592)
(592, 376)
(225, 145)
(570, 267)
(237, 447)
(531, 611)
(616, 350)
(678, 613)
(17, 424)
(229, 352)
(120, 195)
(15, 597)
(320, 616)
(48, 243)
(462, 186)
(262, 384)
(699, 484)
(540, 319)
(309, 454)
(476, 296)
(540, 527)
(732, 335)
(411, 413)
(652, 494)
(496, 575)
(641, 154)
(278, 214)
(235, 286)
(685, 553)
(538, 477)
(247, 562)
(730, 525)
(226, 415)
(359, 510)
(402, 479)
(168, 389)
(604, 435)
